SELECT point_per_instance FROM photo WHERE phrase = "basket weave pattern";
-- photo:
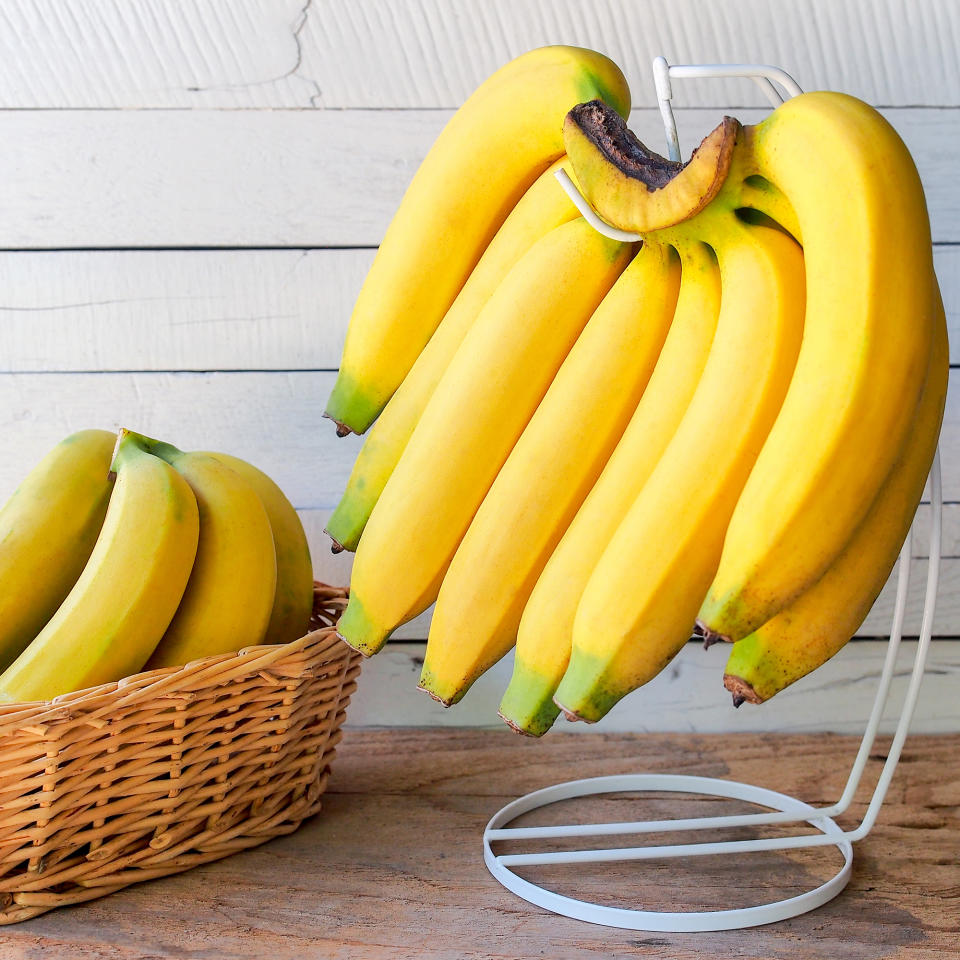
(168, 769)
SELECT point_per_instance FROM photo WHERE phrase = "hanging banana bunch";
(589, 450)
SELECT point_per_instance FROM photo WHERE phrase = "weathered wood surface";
(122, 310)
(885, 51)
(412, 53)
(289, 178)
(392, 867)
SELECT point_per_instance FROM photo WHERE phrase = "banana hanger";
(784, 809)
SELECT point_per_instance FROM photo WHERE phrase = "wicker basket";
(168, 769)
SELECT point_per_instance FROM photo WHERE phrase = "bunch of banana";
(483, 401)
(789, 550)
(546, 625)
(128, 591)
(813, 627)
(557, 458)
(124, 552)
(602, 450)
(542, 208)
(494, 147)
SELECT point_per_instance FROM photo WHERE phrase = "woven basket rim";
(177, 682)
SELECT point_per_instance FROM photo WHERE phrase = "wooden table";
(392, 867)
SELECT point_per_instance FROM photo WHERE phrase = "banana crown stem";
(127, 439)
(716, 227)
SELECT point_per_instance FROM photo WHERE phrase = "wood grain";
(286, 178)
(433, 53)
(154, 53)
(115, 310)
(424, 59)
(392, 866)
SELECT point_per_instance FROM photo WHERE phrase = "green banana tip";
(353, 405)
(516, 728)
(345, 525)
(358, 630)
(527, 705)
(364, 651)
(435, 696)
(125, 440)
(571, 715)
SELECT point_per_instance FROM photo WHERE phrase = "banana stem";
(128, 438)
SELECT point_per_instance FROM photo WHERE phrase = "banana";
(639, 605)
(128, 591)
(479, 409)
(551, 469)
(492, 149)
(606, 156)
(544, 206)
(624, 180)
(868, 328)
(47, 531)
(819, 622)
(228, 601)
(293, 599)
(546, 626)
(756, 194)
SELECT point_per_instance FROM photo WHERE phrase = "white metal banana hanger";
(786, 809)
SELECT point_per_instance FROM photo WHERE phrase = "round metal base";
(654, 920)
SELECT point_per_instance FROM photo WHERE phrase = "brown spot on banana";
(631, 186)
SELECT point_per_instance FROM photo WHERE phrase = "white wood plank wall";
(192, 193)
